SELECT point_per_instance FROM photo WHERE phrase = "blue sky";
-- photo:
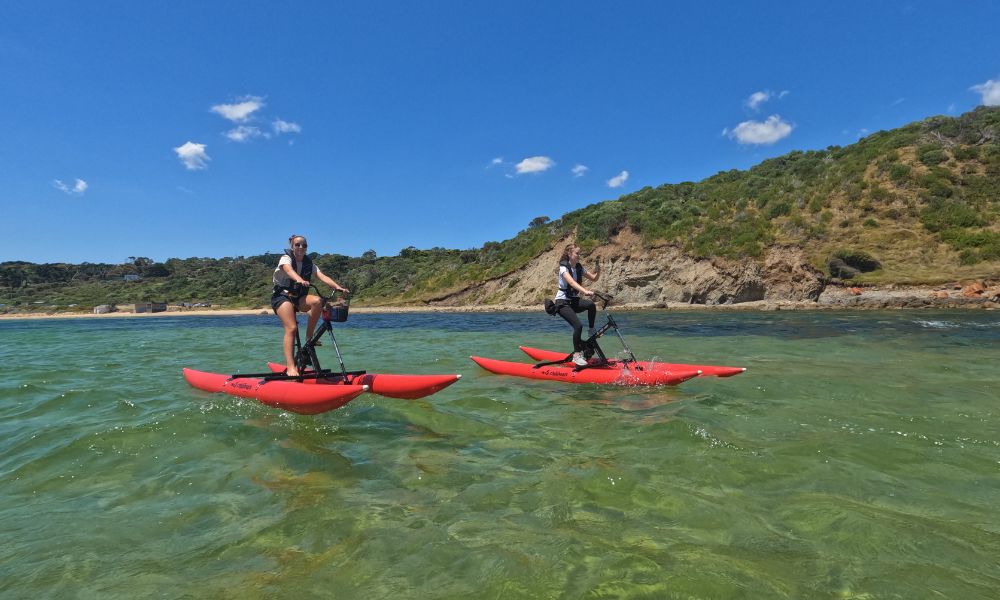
(215, 129)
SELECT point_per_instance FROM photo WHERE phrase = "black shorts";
(278, 299)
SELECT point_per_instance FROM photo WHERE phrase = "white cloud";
(618, 180)
(496, 161)
(760, 132)
(241, 111)
(193, 156)
(758, 98)
(243, 133)
(280, 127)
(579, 170)
(79, 187)
(534, 164)
(990, 92)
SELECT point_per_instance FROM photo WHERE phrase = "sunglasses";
(301, 245)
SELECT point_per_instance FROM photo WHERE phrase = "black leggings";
(568, 310)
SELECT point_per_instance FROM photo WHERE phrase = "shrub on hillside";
(880, 194)
(899, 173)
(975, 246)
(941, 214)
(931, 154)
(937, 187)
(779, 209)
(966, 153)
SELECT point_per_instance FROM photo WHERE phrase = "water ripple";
(857, 458)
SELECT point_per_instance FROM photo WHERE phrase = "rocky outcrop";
(637, 274)
(894, 296)
(838, 268)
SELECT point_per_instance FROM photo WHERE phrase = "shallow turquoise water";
(858, 458)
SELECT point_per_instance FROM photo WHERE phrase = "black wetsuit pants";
(568, 310)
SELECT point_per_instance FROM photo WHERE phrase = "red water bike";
(316, 389)
(559, 366)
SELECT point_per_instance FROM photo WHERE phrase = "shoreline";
(832, 299)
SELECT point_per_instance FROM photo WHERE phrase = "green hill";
(918, 204)
(923, 199)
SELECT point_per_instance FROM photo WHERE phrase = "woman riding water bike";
(568, 299)
(292, 277)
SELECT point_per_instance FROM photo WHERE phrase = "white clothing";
(563, 286)
(281, 279)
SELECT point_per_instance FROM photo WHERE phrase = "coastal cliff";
(639, 275)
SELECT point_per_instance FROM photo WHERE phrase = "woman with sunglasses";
(291, 293)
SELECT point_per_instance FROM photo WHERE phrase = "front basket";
(337, 314)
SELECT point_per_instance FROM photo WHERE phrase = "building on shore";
(147, 307)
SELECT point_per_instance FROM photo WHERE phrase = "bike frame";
(305, 354)
(592, 345)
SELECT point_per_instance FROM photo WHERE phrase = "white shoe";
(579, 360)
(592, 332)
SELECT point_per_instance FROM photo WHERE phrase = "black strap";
(569, 290)
(307, 265)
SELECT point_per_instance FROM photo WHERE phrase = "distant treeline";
(246, 281)
(937, 180)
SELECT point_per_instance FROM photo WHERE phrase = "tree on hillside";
(12, 277)
(156, 270)
(51, 273)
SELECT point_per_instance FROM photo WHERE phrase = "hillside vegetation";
(918, 204)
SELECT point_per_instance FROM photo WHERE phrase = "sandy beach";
(833, 298)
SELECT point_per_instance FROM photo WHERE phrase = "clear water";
(858, 458)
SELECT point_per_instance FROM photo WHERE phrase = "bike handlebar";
(606, 299)
(326, 299)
